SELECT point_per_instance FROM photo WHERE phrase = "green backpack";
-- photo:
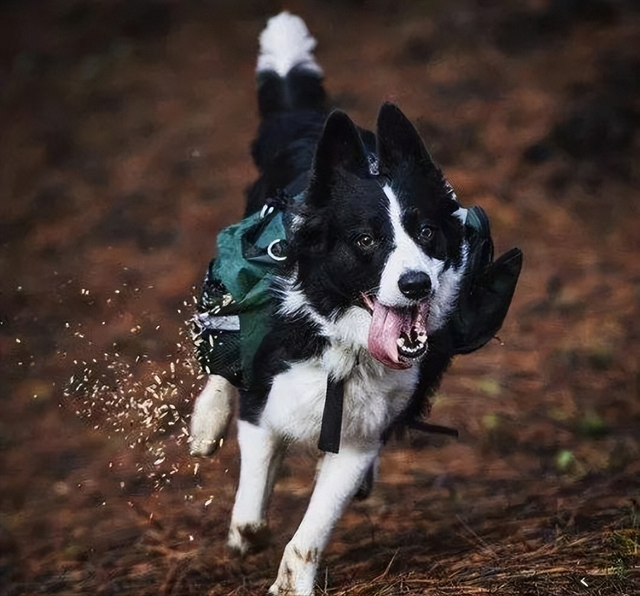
(235, 305)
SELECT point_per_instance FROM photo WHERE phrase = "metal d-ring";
(271, 253)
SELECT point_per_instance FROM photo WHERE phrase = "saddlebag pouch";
(234, 308)
(487, 287)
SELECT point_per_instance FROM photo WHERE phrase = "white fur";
(296, 400)
(294, 303)
(211, 415)
(461, 214)
(408, 256)
(350, 331)
(285, 43)
(445, 299)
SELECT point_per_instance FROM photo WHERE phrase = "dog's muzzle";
(397, 335)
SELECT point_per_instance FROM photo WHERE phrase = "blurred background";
(124, 134)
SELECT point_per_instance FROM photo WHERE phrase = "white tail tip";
(284, 43)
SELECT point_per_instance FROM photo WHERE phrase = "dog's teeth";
(400, 342)
(422, 338)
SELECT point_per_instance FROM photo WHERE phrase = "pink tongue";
(386, 326)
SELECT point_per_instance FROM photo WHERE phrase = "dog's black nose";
(415, 285)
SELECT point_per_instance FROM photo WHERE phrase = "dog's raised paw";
(211, 416)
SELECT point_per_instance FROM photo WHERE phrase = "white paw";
(211, 416)
(297, 572)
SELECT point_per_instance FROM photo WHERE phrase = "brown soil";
(125, 130)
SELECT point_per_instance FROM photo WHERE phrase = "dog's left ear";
(400, 148)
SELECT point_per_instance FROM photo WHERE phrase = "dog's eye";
(365, 241)
(425, 232)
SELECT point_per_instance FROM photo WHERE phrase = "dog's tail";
(288, 76)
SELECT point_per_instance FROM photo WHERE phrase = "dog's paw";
(211, 416)
(248, 538)
(287, 590)
(297, 572)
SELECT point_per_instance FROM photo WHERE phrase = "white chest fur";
(373, 396)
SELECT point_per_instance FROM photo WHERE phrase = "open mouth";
(397, 335)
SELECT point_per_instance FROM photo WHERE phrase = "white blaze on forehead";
(405, 256)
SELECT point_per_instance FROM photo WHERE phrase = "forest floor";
(125, 133)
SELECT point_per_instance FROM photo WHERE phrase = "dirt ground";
(124, 140)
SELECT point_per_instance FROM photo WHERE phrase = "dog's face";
(385, 239)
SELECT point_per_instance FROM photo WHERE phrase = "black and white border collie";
(374, 268)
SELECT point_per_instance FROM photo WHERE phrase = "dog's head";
(380, 233)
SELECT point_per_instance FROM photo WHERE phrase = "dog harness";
(235, 307)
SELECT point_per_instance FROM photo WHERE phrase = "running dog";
(379, 282)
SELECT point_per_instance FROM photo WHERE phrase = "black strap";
(332, 417)
(425, 427)
(329, 440)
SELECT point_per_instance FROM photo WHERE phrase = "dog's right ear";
(400, 146)
(339, 150)
(340, 154)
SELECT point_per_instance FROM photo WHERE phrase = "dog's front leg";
(260, 457)
(340, 476)
(211, 415)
